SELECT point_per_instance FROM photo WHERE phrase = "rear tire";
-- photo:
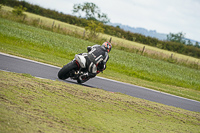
(64, 73)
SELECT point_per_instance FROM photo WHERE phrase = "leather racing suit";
(95, 62)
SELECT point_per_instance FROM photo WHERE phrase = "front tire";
(64, 73)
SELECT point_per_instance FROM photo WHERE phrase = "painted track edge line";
(22, 58)
(147, 89)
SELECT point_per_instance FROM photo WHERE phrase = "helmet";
(107, 45)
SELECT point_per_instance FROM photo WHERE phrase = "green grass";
(29, 104)
(58, 49)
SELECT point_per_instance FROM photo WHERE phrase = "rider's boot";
(83, 78)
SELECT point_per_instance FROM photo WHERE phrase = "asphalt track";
(37, 69)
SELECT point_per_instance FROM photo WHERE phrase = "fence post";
(24, 18)
(38, 21)
(143, 49)
(171, 56)
(58, 27)
(84, 34)
(53, 24)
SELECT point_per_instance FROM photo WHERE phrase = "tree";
(179, 37)
(19, 10)
(197, 45)
(90, 11)
(94, 28)
(118, 26)
(189, 43)
(4, 2)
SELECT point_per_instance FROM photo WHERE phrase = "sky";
(164, 16)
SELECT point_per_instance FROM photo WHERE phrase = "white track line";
(147, 89)
(21, 58)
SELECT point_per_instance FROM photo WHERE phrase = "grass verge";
(29, 104)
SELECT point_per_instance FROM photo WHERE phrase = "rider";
(96, 60)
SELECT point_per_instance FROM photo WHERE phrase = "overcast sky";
(164, 16)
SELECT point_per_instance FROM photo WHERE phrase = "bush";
(94, 29)
(19, 10)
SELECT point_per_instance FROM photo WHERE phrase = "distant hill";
(143, 31)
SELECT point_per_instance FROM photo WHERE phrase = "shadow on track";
(74, 82)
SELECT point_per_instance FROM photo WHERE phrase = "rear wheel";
(64, 73)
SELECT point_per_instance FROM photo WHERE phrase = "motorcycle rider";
(96, 60)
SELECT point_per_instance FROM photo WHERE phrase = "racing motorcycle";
(74, 69)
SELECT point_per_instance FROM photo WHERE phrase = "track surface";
(21, 65)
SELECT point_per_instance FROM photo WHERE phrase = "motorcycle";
(74, 69)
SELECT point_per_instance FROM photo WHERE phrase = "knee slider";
(92, 68)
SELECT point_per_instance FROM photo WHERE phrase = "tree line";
(191, 50)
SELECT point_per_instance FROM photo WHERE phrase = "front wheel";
(64, 73)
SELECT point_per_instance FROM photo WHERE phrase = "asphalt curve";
(37, 69)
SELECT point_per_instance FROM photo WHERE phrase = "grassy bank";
(29, 104)
(58, 49)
